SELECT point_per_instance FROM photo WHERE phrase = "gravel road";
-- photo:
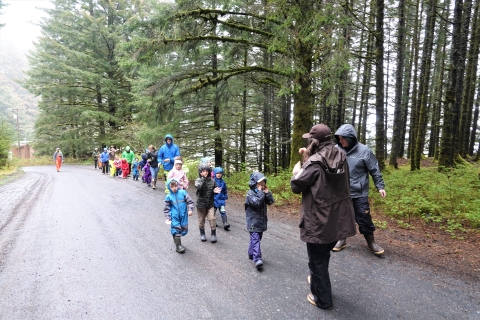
(81, 245)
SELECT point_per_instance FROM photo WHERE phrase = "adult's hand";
(302, 150)
(382, 193)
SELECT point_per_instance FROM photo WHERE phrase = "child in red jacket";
(125, 168)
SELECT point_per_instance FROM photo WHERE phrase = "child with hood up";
(258, 197)
(206, 188)
(179, 174)
(147, 174)
(135, 167)
(125, 168)
(220, 198)
(117, 164)
(178, 207)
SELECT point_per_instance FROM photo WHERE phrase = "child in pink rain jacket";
(179, 174)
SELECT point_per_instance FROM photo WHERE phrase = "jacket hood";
(346, 130)
(168, 136)
(330, 157)
(144, 156)
(205, 160)
(124, 160)
(217, 170)
(255, 178)
(170, 181)
(204, 166)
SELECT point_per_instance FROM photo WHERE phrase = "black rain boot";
(178, 244)
(213, 237)
(226, 226)
(372, 245)
(202, 235)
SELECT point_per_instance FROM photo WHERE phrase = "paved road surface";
(81, 245)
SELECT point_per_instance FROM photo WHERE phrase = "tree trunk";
(380, 97)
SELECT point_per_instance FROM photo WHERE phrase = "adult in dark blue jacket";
(104, 156)
(361, 163)
(167, 154)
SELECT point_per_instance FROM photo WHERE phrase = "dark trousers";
(105, 167)
(96, 163)
(318, 260)
(362, 215)
(254, 247)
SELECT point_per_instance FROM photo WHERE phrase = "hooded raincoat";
(168, 151)
(256, 205)
(176, 209)
(219, 199)
(361, 161)
(327, 213)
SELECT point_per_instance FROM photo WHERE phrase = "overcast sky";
(20, 17)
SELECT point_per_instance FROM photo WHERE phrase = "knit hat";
(178, 161)
(320, 132)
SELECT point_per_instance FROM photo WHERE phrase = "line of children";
(178, 207)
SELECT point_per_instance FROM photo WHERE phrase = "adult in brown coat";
(327, 213)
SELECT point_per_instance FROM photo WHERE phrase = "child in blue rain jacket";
(178, 207)
(220, 198)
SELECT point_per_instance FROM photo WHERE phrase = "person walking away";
(58, 159)
(361, 163)
(179, 174)
(327, 213)
(111, 159)
(178, 207)
(258, 197)
(152, 159)
(129, 155)
(104, 156)
(167, 154)
(95, 155)
(221, 197)
(117, 164)
(206, 188)
(125, 168)
(135, 169)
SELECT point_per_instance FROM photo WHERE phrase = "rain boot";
(341, 244)
(213, 237)
(154, 184)
(372, 245)
(178, 244)
(202, 235)
(226, 226)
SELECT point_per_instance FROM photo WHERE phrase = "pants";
(96, 163)
(154, 172)
(254, 246)
(118, 172)
(129, 168)
(318, 260)
(58, 163)
(112, 168)
(208, 214)
(362, 215)
(105, 167)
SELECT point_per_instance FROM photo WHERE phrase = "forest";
(243, 80)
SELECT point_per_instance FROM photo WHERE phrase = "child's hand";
(168, 221)
(190, 213)
(265, 189)
(217, 190)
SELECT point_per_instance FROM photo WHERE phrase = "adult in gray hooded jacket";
(361, 163)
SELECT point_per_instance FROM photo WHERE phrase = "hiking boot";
(341, 244)
(372, 245)
(178, 244)
(213, 237)
(226, 226)
(202, 235)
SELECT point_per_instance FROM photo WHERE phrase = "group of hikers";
(332, 178)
